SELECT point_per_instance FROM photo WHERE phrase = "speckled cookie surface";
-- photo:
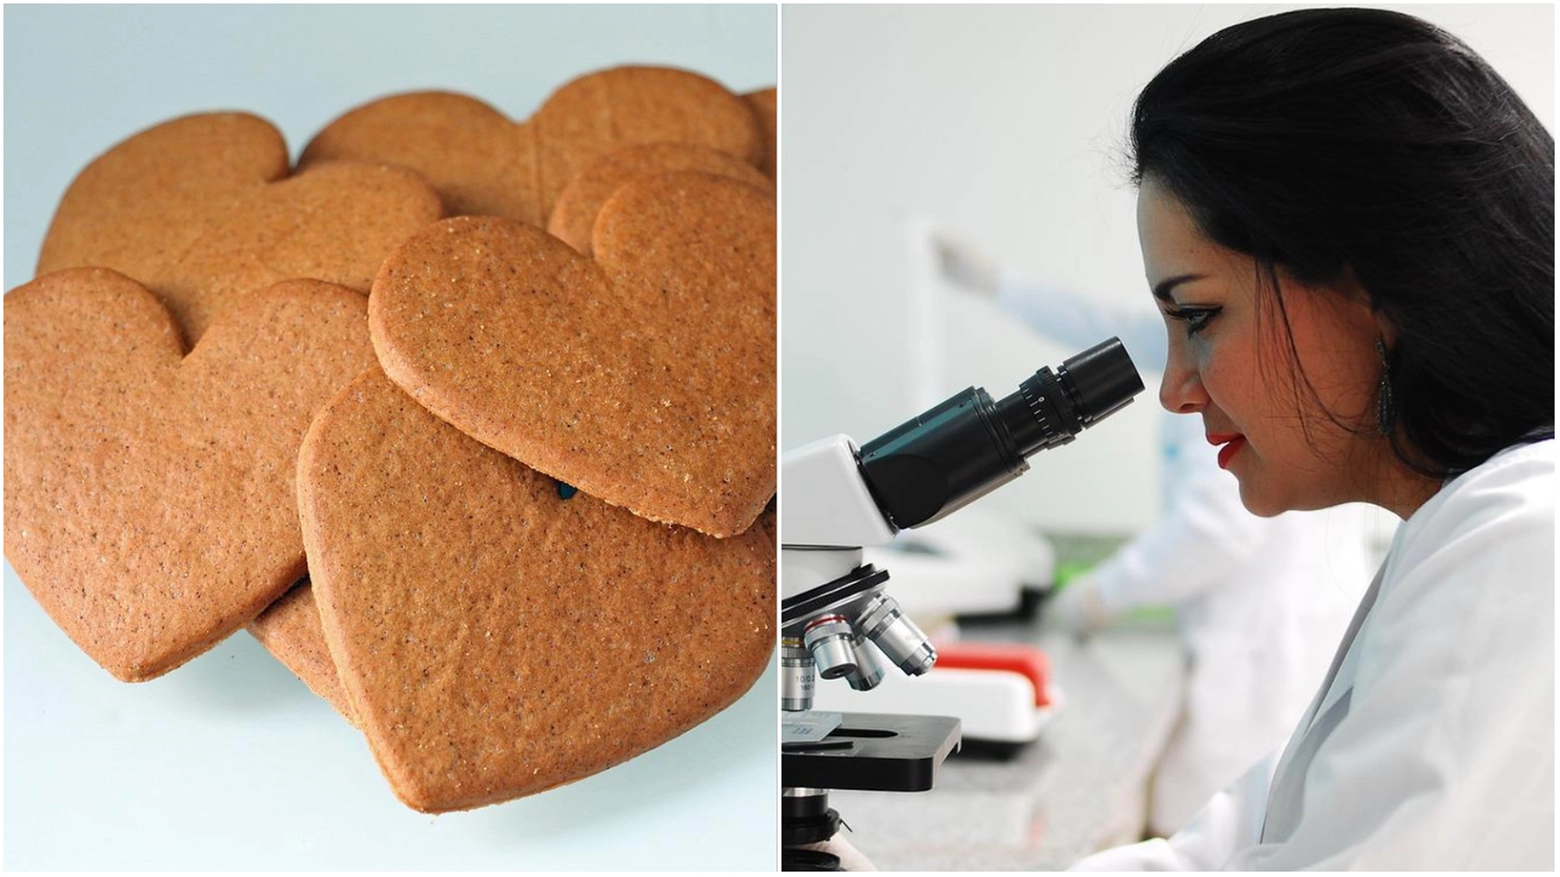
(149, 495)
(290, 630)
(497, 639)
(645, 377)
(202, 210)
(574, 216)
(484, 164)
(765, 104)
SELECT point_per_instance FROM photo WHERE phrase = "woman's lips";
(1232, 445)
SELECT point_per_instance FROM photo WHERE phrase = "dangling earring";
(1385, 413)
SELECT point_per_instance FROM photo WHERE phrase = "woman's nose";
(1181, 390)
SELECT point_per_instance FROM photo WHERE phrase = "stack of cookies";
(470, 421)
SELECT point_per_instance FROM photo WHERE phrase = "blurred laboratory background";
(935, 158)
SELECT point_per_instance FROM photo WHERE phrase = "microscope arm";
(827, 503)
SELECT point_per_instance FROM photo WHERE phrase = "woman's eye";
(1196, 319)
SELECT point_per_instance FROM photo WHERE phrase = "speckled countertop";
(1077, 789)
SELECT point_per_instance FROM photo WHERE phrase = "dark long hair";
(1328, 139)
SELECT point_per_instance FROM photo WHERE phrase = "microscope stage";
(873, 752)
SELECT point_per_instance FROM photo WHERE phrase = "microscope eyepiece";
(1103, 378)
(1051, 408)
(968, 446)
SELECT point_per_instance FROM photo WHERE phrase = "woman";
(1347, 219)
(1260, 603)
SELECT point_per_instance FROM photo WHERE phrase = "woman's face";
(1230, 361)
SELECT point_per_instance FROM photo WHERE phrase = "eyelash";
(1196, 319)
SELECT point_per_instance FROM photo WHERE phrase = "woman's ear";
(1351, 290)
(1385, 329)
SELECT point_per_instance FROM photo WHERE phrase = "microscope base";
(808, 860)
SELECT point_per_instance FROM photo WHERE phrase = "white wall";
(1006, 124)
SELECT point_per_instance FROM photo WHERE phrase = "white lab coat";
(1260, 603)
(1431, 745)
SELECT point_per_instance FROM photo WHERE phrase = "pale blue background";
(229, 762)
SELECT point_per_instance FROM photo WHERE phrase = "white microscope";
(837, 621)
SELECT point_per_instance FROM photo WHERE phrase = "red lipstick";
(1232, 445)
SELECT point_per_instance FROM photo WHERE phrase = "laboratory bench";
(1079, 788)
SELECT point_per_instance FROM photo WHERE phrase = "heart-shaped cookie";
(497, 639)
(149, 501)
(645, 378)
(483, 164)
(202, 211)
(290, 630)
(765, 104)
(574, 216)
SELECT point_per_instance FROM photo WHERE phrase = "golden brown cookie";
(497, 639)
(290, 630)
(645, 378)
(765, 105)
(574, 215)
(483, 164)
(202, 211)
(149, 501)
